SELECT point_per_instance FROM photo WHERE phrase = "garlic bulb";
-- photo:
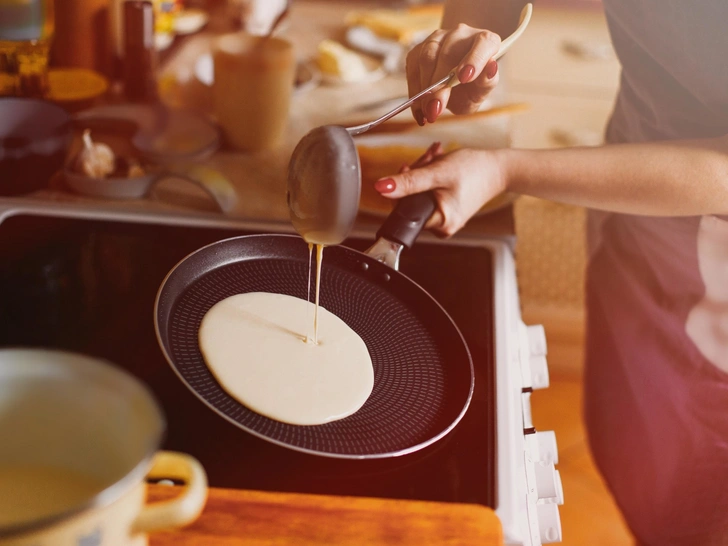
(96, 159)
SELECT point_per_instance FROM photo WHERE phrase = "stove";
(87, 282)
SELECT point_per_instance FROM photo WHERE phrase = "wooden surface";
(589, 515)
(233, 517)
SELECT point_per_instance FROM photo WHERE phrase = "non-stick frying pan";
(423, 373)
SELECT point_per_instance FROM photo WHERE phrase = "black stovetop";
(89, 286)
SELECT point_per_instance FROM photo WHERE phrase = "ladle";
(324, 177)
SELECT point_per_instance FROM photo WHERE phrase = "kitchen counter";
(234, 517)
(259, 179)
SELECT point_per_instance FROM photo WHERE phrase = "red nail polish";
(433, 108)
(491, 69)
(385, 185)
(466, 73)
(420, 118)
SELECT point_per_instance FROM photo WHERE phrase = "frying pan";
(423, 372)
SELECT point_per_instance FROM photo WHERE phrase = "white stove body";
(528, 484)
(529, 490)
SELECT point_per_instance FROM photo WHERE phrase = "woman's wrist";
(505, 169)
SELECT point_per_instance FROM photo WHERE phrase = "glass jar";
(26, 31)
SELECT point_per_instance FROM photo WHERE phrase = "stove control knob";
(547, 482)
(537, 340)
(559, 489)
(549, 523)
(537, 359)
(526, 410)
(547, 449)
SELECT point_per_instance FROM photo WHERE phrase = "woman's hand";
(462, 182)
(433, 151)
(466, 49)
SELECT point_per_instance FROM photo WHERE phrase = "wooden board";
(234, 517)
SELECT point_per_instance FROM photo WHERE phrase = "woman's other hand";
(466, 49)
(462, 182)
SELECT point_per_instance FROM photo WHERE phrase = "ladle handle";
(450, 80)
(408, 218)
(524, 19)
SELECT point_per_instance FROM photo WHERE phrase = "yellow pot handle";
(183, 509)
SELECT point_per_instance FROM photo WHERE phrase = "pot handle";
(183, 509)
(408, 218)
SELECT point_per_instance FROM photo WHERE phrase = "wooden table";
(233, 517)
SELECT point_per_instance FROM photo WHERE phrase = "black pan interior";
(423, 374)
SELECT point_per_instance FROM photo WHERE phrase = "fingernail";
(433, 108)
(420, 118)
(466, 73)
(491, 69)
(385, 185)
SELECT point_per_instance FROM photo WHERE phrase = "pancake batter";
(256, 347)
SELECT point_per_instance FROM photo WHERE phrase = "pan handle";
(408, 218)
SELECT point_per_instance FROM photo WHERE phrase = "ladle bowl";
(324, 184)
(324, 175)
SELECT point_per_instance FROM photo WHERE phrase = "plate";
(384, 155)
(189, 21)
(160, 135)
(375, 72)
(75, 88)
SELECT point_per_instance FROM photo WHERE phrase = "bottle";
(26, 31)
(82, 37)
(140, 55)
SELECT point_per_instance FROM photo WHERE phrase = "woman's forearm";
(662, 179)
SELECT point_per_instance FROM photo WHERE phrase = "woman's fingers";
(474, 69)
(466, 99)
(434, 150)
(461, 181)
(466, 50)
(413, 179)
(431, 61)
(412, 72)
(394, 189)
(435, 222)
(478, 73)
(408, 182)
(419, 68)
(469, 52)
(429, 52)
(483, 46)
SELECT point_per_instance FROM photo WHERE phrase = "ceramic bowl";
(212, 182)
(34, 139)
(134, 187)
